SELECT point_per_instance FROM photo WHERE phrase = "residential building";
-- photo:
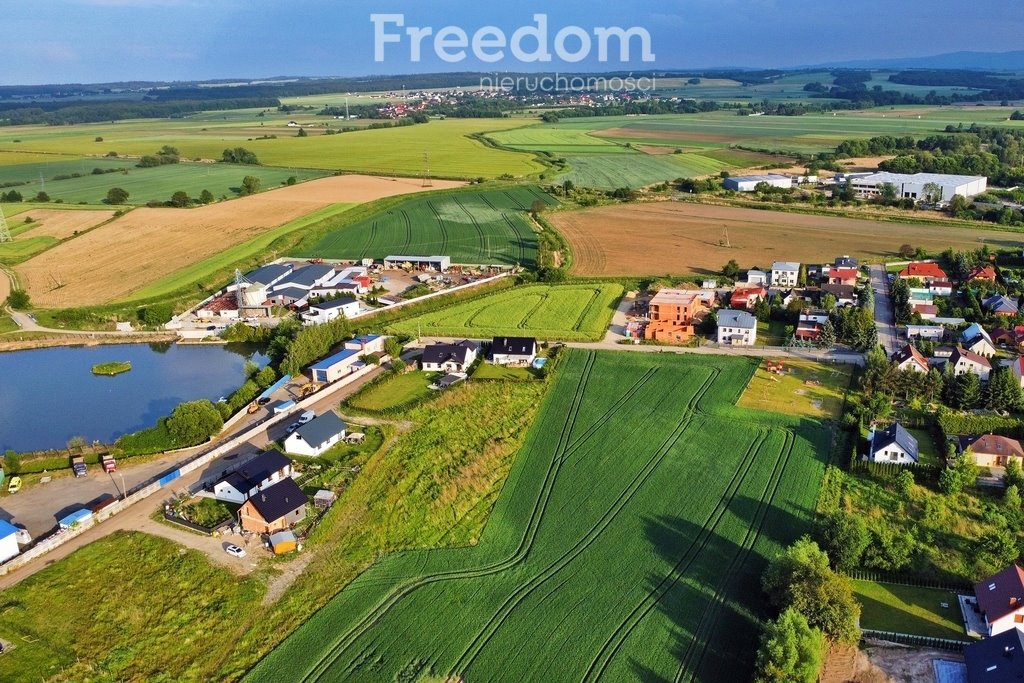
(785, 274)
(940, 287)
(326, 311)
(843, 276)
(975, 338)
(999, 659)
(932, 332)
(450, 357)
(8, 540)
(1018, 370)
(893, 445)
(674, 313)
(747, 297)
(909, 358)
(926, 311)
(317, 436)
(845, 295)
(914, 186)
(757, 277)
(368, 343)
(992, 450)
(809, 324)
(274, 508)
(925, 271)
(736, 328)
(965, 361)
(436, 263)
(1001, 600)
(513, 351)
(845, 261)
(749, 183)
(266, 469)
(1000, 304)
(987, 273)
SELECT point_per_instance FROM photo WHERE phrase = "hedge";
(954, 424)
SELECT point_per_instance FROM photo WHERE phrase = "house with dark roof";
(1001, 600)
(999, 659)
(307, 278)
(845, 262)
(274, 508)
(846, 295)
(316, 436)
(266, 469)
(1000, 304)
(893, 444)
(909, 358)
(450, 380)
(332, 309)
(975, 338)
(964, 361)
(992, 450)
(514, 351)
(450, 358)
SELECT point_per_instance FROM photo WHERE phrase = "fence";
(904, 580)
(917, 641)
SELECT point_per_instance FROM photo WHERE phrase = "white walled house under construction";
(912, 186)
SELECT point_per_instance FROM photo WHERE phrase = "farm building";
(273, 509)
(514, 351)
(326, 311)
(262, 280)
(913, 186)
(335, 367)
(749, 183)
(909, 358)
(317, 436)
(8, 540)
(283, 542)
(736, 328)
(439, 263)
(893, 444)
(1001, 600)
(785, 274)
(450, 357)
(999, 659)
(224, 307)
(673, 314)
(266, 469)
(992, 450)
(964, 361)
(306, 278)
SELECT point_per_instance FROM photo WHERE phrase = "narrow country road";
(884, 317)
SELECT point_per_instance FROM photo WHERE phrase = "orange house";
(673, 313)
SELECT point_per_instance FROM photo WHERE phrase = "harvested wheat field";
(61, 223)
(678, 238)
(146, 244)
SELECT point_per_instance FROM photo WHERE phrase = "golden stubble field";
(110, 262)
(680, 237)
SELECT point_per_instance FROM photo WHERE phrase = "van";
(306, 417)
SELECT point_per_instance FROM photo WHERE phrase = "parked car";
(264, 401)
(306, 417)
(235, 551)
(15, 485)
(293, 426)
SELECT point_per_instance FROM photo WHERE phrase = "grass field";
(596, 563)
(470, 226)
(486, 371)
(805, 389)
(548, 312)
(909, 609)
(635, 169)
(394, 392)
(683, 237)
(25, 248)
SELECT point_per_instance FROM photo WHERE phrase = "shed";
(283, 542)
(324, 499)
(283, 407)
(8, 540)
(77, 517)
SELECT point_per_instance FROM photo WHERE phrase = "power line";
(5, 232)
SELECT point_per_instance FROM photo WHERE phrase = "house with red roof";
(965, 361)
(842, 276)
(926, 272)
(1001, 600)
(747, 297)
(909, 358)
(1018, 371)
(982, 273)
(927, 311)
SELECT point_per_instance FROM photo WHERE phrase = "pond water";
(48, 396)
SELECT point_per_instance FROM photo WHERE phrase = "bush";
(153, 440)
(791, 651)
(193, 423)
(155, 315)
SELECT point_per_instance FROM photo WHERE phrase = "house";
(515, 351)
(987, 273)
(274, 508)
(965, 361)
(999, 659)
(736, 328)
(809, 324)
(266, 469)
(893, 444)
(975, 338)
(784, 297)
(317, 436)
(757, 277)
(909, 358)
(992, 450)
(747, 297)
(842, 276)
(1000, 304)
(846, 295)
(926, 311)
(932, 332)
(1018, 370)
(1001, 600)
(326, 311)
(785, 274)
(450, 357)
(940, 288)
(673, 314)
(926, 272)
(845, 261)
(366, 344)
(709, 284)
(943, 352)
(8, 540)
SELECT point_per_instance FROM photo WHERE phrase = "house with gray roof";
(785, 274)
(736, 328)
(894, 444)
(316, 436)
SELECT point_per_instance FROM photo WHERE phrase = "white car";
(306, 417)
(235, 551)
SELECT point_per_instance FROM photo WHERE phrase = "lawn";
(548, 312)
(393, 392)
(771, 333)
(470, 226)
(928, 450)
(909, 609)
(805, 389)
(587, 569)
(488, 371)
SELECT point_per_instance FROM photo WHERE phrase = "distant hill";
(982, 61)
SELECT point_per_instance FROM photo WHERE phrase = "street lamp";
(124, 490)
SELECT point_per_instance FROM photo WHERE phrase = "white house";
(450, 358)
(933, 332)
(965, 361)
(976, 339)
(8, 540)
(1001, 600)
(736, 328)
(893, 445)
(909, 358)
(757, 277)
(264, 470)
(519, 351)
(316, 436)
(326, 311)
(785, 274)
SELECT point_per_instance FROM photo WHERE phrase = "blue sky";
(65, 41)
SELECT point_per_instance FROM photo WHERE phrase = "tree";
(1003, 391)
(845, 537)
(790, 652)
(906, 251)
(42, 197)
(239, 155)
(117, 195)
(302, 133)
(932, 193)
(828, 302)
(180, 199)
(960, 473)
(537, 207)
(291, 180)
(1013, 475)
(762, 310)
(731, 269)
(392, 347)
(12, 462)
(890, 549)
(905, 482)
(11, 196)
(963, 391)
(250, 185)
(194, 422)
(265, 377)
(155, 315)
(827, 336)
(18, 299)
(1011, 498)
(801, 278)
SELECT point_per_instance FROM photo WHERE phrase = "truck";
(78, 465)
(109, 464)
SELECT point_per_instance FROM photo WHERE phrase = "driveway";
(884, 317)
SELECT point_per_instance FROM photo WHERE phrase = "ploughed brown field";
(112, 261)
(680, 238)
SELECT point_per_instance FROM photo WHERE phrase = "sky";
(90, 41)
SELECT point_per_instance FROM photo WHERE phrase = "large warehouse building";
(748, 183)
(912, 186)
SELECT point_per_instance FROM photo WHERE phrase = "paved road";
(884, 317)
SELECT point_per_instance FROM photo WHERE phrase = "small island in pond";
(112, 368)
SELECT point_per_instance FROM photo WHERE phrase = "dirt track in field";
(113, 261)
(61, 223)
(679, 237)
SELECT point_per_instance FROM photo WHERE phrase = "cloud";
(53, 51)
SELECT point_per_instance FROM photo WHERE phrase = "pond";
(48, 396)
